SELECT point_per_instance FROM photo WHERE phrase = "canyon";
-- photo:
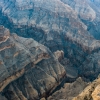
(49, 49)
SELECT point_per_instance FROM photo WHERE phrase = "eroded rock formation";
(28, 70)
(66, 32)
(91, 92)
(84, 90)
(69, 90)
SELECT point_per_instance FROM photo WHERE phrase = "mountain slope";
(78, 90)
(25, 64)
(52, 23)
(88, 11)
(69, 28)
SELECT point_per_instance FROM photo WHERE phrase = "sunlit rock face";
(90, 92)
(28, 70)
(69, 90)
(78, 90)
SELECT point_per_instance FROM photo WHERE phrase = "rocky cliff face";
(88, 11)
(56, 24)
(28, 70)
(83, 9)
(78, 90)
(91, 92)
(69, 28)
(69, 90)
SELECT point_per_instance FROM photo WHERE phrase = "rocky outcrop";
(71, 71)
(59, 55)
(91, 92)
(91, 66)
(78, 90)
(96, 93)
(63, 20)
(69, 90)
(66, 27)
(28, 69)
(82, 8)
(89, 12)
(93, 27)
(56, 25)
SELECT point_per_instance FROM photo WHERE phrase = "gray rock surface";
(62, 17)
(69, 90)
(89, 12)
(54, 24)
(71, 71)
(69, 26)
(28, 70)
(83, 9)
